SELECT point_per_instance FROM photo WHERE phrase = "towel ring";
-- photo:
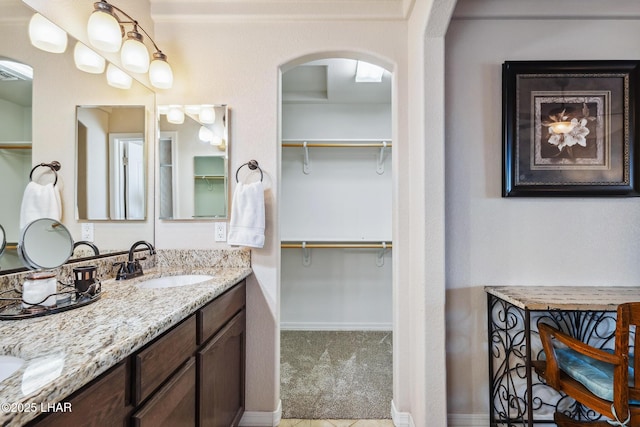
(54, 166)
(253, 165)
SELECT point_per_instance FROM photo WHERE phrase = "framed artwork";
(569, 128)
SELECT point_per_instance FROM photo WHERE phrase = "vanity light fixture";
(175, 115)
(118, 78)
(207, 114)
(101, 28)
(87, 60)
(205, 134)
(134, 54)
(368, 73)
(46, 35)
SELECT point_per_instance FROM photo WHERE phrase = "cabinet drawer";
(174, 405)
(155, 363)
(214, 315)
(104, 402)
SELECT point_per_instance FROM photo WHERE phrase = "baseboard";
(324, 326)
(401, 419)
(262, 419)
(468, 420)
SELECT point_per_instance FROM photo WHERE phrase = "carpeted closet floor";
(336, 374)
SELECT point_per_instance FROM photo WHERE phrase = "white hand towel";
(40, 201)
(246, 227)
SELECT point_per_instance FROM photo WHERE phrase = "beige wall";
(520, 241)
(238, 62)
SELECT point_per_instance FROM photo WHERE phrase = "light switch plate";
(221, 232)
(87, 231)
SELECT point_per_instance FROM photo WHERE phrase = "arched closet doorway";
(336, 291)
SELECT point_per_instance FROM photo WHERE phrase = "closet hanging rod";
(349, 245)
(14, 147)
(336, 144)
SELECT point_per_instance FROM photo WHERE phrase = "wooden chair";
(602, 380)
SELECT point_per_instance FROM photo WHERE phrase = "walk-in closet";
(336, 242)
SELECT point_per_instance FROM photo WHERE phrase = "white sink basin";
(9, 365)
(173, 281)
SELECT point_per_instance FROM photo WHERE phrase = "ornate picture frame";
(569, 128)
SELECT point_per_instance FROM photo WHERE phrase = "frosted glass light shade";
(175, 115)
(134, 54)
(104, 29)
(216, 141)
(207, 114)
(87, 60)
(160, 73)
(118, 78)
(46, 35)
(205, 134)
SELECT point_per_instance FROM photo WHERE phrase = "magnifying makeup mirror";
(45, 244)
(3, 240)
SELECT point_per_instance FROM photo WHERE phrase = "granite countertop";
(67, 350)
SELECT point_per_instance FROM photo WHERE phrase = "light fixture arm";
(135, 23)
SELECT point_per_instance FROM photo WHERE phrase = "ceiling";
(217, 10)
(332, 81)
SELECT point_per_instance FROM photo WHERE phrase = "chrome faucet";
(132, 267)
(93, 247)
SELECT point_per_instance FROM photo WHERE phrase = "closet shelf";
(336, 245)
(337, 143)
(306, 247)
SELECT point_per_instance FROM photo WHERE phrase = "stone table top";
(582, 298)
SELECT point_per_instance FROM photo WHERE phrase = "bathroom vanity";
(142, 357)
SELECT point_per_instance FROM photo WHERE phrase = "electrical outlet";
(221, 231)
(87, 231)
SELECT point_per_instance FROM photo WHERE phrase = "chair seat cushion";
(595, 375)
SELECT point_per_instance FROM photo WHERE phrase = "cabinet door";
(221, 376)
(158, 360)
(174, 405)
(105, 402)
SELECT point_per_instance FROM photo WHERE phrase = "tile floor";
(335, 423)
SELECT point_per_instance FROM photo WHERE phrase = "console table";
(518, 397)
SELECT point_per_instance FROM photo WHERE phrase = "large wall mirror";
(50, 125)
(15, 150)
(111, 163)
(193, 169)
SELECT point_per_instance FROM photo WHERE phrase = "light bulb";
(216, 141)
(103, 28)
(46, 35)
(175, 115)
(207, 114)
(118, 78)
(87, 60)
(160, 73)
(205, 134)
(134, 54)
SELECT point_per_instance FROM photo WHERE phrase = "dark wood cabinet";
(221, 376)
(104, 402)
(174, 405)
(192, 375)
(158, 360)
